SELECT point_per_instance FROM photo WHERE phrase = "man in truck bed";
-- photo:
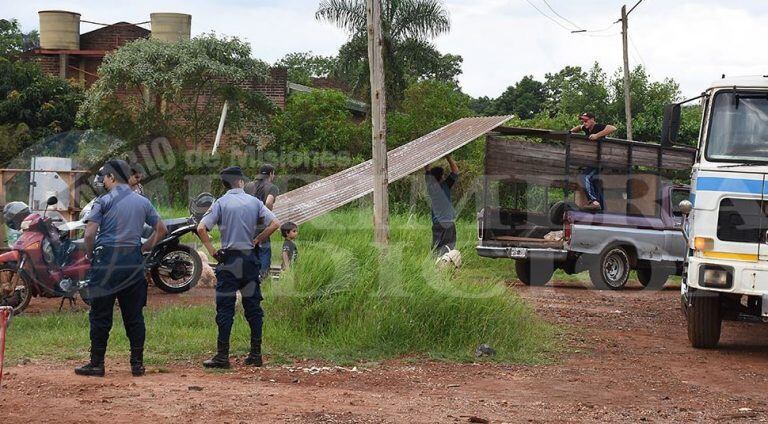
(594, 131)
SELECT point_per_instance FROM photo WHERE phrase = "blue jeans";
(239, 271)
(589, 181)
(117, 274)
(264, 252)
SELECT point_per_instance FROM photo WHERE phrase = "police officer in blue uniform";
(117, 265)
(237, 215)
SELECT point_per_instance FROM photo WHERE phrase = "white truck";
(726, 272)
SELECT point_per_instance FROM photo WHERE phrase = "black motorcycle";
(173, 266)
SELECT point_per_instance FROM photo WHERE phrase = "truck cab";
(726, 275)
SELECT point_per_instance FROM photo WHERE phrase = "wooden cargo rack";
(554, 159)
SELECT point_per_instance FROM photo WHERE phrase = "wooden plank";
(584, 153)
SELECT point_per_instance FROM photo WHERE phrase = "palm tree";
(407, 26)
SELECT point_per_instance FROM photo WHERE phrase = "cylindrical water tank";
(171, 27)
(59, 30)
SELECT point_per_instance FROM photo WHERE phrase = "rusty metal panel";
(327, 194)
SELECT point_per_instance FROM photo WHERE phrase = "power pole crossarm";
(627, 97)
(379, 125)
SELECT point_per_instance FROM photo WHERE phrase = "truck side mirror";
(671, 125)
(685, 207)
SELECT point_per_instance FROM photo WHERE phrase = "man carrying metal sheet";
(588, 178)
(439, 188)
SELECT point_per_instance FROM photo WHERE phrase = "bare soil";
(627, 359)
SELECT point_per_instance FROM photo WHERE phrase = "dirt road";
(628, 361)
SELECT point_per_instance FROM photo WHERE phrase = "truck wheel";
(704, 321)
(534, 273)
(611, 270)
(653, 277)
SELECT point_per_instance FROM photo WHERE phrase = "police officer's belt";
(237, 251)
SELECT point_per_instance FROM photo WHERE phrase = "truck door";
(674, 242)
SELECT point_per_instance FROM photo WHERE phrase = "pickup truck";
(639, 228)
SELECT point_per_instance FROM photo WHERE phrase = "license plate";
(517, 252)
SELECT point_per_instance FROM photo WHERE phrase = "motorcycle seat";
(175, 223)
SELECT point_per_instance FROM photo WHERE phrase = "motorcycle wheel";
(14, 291)
(178, 269)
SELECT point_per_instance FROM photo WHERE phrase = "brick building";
(82, 64)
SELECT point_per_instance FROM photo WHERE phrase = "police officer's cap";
(118, 168)
(232, 174)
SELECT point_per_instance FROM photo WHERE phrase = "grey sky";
(693, 42)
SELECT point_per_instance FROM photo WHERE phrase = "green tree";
(11, 38)
(426, 106)
(483, 106)
(572, 91)
(304, 66)
(13, 41)
(33, 106)
(690, 123)
(319, 121)
(525, 99)
(407, 26)
(177, 90)
(648, 101)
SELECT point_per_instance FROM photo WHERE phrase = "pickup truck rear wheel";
(534, 273)
(704, 320)
(611, 269)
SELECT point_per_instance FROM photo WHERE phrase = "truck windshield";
(738, 128)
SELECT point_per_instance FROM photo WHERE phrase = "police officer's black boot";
(254, 357)
(95, 368)
(221, 358)
(137, 362)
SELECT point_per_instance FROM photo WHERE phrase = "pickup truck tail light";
(567, 228)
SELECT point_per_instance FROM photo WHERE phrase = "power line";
(637, 51)
(548, 17)
(561, 16)
(603, 29)
(588, 34)
(630, 10)
(633, 7)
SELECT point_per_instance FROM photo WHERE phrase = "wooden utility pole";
(627, 97)
(379, 124)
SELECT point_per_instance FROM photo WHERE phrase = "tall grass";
(344, 300)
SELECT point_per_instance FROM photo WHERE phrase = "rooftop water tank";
(59, 30)
(171, 27)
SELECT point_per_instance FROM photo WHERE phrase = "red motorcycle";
(46, 262)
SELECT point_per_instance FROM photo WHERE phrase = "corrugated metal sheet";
(327, 194)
